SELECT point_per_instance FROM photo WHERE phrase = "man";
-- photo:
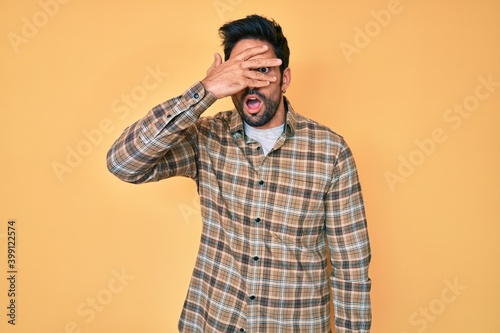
(275, 189)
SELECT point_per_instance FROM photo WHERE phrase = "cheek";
(236, 98)
(269, 90)
(273, 90)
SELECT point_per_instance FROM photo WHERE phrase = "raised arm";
(163, 143)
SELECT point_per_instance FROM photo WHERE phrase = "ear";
(286, 79)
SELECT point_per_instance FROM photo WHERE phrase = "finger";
(261, 62)
(258, 76)
(251, 52)
(257, 83)
(217, 62)
(217, 59)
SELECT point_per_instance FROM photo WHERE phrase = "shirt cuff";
(196, 98)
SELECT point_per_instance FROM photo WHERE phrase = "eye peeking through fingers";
(264, 70)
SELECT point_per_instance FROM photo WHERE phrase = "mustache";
(253, 92)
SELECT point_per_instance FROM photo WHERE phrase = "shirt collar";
(236, 123)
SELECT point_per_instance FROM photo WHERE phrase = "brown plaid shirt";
(267, 220)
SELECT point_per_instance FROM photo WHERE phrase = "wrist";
(209, 88)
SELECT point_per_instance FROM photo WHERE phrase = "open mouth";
(253, 103)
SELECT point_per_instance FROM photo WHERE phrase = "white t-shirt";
(266, 137)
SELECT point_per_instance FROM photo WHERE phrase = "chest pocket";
(296, 211)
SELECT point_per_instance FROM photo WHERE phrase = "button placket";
(257, 244)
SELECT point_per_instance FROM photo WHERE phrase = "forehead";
(249, 43)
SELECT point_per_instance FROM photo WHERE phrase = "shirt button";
(257, 220)
(252, 297)
(255, 258)
(258, 148)
(196, 95)
(261, 182)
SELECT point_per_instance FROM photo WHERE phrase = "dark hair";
(255, 27)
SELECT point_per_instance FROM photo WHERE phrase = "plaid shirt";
(267, 220)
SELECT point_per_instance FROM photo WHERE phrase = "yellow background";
(432, 225)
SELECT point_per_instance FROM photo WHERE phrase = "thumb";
(217, 60)
(216, 63)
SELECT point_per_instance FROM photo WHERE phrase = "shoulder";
(215, 127)
(220, 119)
(315, 132)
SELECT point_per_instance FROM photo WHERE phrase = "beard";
(270, 107)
